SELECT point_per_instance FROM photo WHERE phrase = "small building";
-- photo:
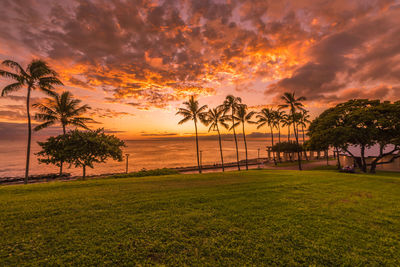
(370, 154)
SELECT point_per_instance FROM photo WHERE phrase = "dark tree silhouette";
(195, 113)
(37, 75)
(232, 104)
(294, 104)
(213, 118)
(63, 109)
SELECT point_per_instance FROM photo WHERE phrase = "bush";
(287, 147)
(143, 173)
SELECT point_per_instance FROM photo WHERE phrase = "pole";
(258, 157)
(127, 159)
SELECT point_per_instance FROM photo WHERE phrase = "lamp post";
(127, 160)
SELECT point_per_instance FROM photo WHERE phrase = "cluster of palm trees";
(232, 113)
(66, 110)
(57, 108)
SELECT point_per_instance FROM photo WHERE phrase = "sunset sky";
(134, 62)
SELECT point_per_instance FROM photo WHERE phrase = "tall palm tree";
(303, 121)
(215, 117)
(63, 109)
(37, 75)
(267, 117)
(294, 104)
(242, 116)
(195, 113)
(232, 104)
(279, 119)
(287, 122)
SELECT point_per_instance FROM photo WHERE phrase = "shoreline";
(255, 163)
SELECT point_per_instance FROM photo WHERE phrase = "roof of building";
(372, 151)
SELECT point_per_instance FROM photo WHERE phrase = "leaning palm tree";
(195, 113)
(242, 116)
(63, 109)
(37, 75)
(267, 117)
(294, 104)
(232, 104)
(214, 117)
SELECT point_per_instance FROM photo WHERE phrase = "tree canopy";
(362, 123)
(81, 149)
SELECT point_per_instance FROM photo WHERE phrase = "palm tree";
(37, 75)
(279, 118)
(64, 109)
(294, 104)
(287, 122)
(304, 119)
(242, 116)
(267, 117)
(232, 104)
(195, 113)
(214, 117)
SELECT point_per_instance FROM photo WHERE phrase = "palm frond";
(39, 68)
(261, 124)
(11, 88)
(43, 125)
(13, 76)
(185, 119)
(14, 65)
(45, 117)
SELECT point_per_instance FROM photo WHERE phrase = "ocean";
(147, 154)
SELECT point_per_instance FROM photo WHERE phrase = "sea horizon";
(151, 153)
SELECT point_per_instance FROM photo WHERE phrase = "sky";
(135, 61)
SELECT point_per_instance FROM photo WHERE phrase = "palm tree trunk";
(28, 149)
(297, 143)
(279, 139)
(234, 134)
(220, 149)
(272, 140)
(288, 139)
(62, 162)
(304, 140)
(245, 145)
(197, 147)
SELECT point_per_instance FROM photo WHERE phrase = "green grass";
(237, 218)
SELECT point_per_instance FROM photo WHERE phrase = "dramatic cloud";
(146, 55)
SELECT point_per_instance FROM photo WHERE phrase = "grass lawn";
(271, 217)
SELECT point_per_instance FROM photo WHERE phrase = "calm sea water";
(149, 154)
